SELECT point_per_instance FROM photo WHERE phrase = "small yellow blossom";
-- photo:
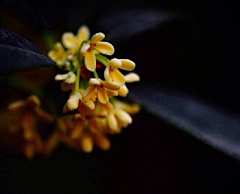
(82, 132)
(132, 77)
(97, 86)
(72, 42)
(72, 102)
(129, 78)
(68, 78)
(28, 110)
(58, 54)
(117, 117)
(112, 74)
(129, 108)
(95, 44)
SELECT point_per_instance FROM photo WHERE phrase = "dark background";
(197, 53)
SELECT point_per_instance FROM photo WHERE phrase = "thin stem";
(102, 59)
(95, 74)
(80, 61)
(78, 78)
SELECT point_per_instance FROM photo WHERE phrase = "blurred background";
(188, 47)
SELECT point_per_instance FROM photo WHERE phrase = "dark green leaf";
(17, 53)
(215, 126)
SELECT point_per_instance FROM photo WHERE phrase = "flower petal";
(111, 85)
(90, 104)
(129, 108)
(112, 122)
(90, 60)
(71, 78)
(17, 107)
(106, 74)
(127, 64)
(69, 40)
(111, 93)
(59, 77)
(106, 107)
(104, 48)
(123, 91)
(94, 81)
(77, 129)
(89, 92)
(73, 101)
(83, 34)
(123, 116)
(115, 63)
(87, 143)
(102, 142)
(102, 95)
(117, 76)
(97, 37)
(58, 50)
(132, 77)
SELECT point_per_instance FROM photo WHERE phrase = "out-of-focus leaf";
(214, 126)
(17, 53)
(125, 23)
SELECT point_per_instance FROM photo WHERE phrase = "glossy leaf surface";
(125, 23)
(214, 126)
(17, 53)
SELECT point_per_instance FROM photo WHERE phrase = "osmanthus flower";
(29, 110)
(91, 110)
(72, 102)
(75, 98)
(116, 118)
(83, 131)
(58, 54)
(32, 146)
(68, 78)
(97, 86)
(112, 74)
(95, 43)
(129, 78)
(132, 108)
(72, 42)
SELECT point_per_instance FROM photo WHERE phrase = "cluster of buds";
(92, 110)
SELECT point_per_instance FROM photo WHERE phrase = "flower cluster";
(92, 110)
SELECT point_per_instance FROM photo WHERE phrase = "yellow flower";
(116, 118)
(129, 108)
(132, 77)
(28, 110)
(58, 54)
(68, 78)
(72, 42)
(112, 74)
(95, 44)
(72, 102)
(129, 78)
(97, 86)
(83, 131)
